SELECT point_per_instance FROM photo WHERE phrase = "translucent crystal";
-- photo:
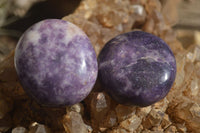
(19, 130)
(180, 70)
(100, 105)
(101, 102)
(143, 112)
(149, 25)
(138, 9)
(169, 35)
(111, 119)
(86, 8)
(131, 124)
(139, 129)
(102, 129)
(185, 37)
(139, 13)
(76, 108)
(190, 57)
(89, 128)
(7, 44)
(171, 129)
(124, 112)
(109, 18)
(153, 5)
(188, 112)
(39, 128)
(181, 128)
(20, 7)
(195, 110)
(194, 87)
(194, 55)
(161, 106)
(170, 16)
(197, 38)
(157, 129)
(73, 123)
(166, 122)
(197, 53)
(154, 118)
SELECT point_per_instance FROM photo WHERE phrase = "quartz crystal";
(166, 122)
(143, 112)
(111, 119)
(171, 129)
(56, 63)
(76, 108)
(153, 119)
(137, 68)
(131, 124)
(99, 106)
(73, 123)
(124, 112)
(19, 130)
(39, 128)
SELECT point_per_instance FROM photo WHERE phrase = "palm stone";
(137, 68)
(56, 63)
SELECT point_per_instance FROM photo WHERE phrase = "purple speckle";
(137, 68)
(43, 39)
(56, 63)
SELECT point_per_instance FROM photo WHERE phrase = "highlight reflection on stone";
(137, 68)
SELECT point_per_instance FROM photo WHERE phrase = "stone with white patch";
(56, 63)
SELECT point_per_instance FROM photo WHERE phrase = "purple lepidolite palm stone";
(137, 68)
(56, 63)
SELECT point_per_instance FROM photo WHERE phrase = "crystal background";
(175, 21)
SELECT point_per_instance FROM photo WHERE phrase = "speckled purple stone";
(56, 63)
(137, 68)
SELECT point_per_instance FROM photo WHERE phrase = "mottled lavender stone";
(56, 63)
(137, 68)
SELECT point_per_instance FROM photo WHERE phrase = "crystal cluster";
(102, 20)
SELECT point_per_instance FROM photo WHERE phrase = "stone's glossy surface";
(56, 63)
(137, 68)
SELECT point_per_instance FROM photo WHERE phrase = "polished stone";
(137, 68)
(56, 63)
